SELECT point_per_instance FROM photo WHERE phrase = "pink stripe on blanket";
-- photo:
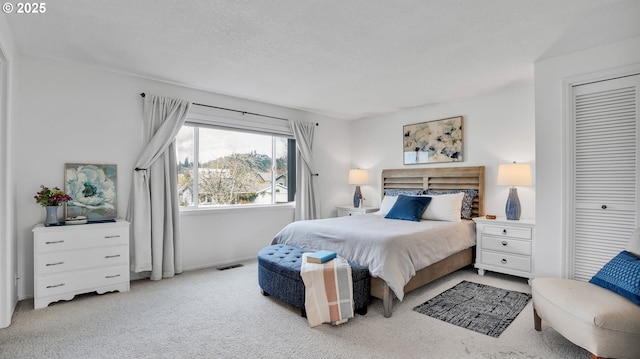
(330, 288)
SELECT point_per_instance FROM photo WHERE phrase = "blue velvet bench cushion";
(279, 276)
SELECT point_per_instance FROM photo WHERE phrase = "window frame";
(216, 118)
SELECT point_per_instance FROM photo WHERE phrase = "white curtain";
(306, 207)
(153, 205)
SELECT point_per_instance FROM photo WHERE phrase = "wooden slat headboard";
(440, 178)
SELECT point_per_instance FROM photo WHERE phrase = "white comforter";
(393, 250)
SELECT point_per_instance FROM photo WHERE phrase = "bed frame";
(439, 178)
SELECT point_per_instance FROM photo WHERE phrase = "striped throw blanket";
(328, 291)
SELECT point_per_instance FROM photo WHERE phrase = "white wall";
(552, 77)
(8, 243)
(70, 113)
(498, 128)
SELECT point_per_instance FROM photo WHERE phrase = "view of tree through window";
(233, 167)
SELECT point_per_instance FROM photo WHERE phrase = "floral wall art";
(93, 188)
(434, 141)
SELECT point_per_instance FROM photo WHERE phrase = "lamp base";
(512, 207)
(356, 197)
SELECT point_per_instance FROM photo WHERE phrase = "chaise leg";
(537, 321)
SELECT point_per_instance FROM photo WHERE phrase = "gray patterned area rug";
(478, 307)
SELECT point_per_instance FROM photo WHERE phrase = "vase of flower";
(51, 200)
(52, 216)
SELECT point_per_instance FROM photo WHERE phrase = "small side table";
(505, 246)
(349, 210)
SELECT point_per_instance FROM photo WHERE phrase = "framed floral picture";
(93, 189)
(433, 141)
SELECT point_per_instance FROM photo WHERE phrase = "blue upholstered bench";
(279, 276)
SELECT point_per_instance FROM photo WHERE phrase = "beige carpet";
(221, 314)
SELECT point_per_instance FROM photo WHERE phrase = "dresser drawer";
(88, 237)
(506, 245)
(508, 261)
(90, 258)
(80, 282)
(515, 232)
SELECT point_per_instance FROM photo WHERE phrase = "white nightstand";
(349, 210)
(505, 246)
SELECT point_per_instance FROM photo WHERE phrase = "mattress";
(393, 250)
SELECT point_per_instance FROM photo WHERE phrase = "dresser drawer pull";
(112, 276)
(505, 243)
(54, 242)
(113, 256)
(54, 264)
(504, 232)
(503, 261)
(55, 286)
(113, 236)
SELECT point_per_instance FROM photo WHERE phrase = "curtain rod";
(230, 109)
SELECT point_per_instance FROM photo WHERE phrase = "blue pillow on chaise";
(621, 275)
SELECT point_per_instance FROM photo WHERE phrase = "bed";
(401, 255)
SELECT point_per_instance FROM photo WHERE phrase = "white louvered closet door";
(605, 171)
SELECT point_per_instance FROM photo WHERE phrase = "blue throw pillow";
(408, 208)
(621, 275)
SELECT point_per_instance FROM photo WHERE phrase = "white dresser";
(353, 211)
(505, 246)
(75, 259)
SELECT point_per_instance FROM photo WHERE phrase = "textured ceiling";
(346, 59)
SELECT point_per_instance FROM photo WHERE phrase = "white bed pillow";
(444, 207)
(386, 205)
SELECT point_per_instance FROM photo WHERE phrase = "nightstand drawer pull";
(503, 261)
(54, 264)
(604, 206)
(55, 285)
(54, 242)
(112, 276)
(505, 243)
(113, 236)
(504, 231)
(113, 256)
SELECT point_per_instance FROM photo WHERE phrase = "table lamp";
(358, 177)
(514, 174)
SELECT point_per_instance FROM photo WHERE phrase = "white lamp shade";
(514, 174)
(358, 176)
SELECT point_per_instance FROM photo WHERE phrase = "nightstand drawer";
(506, 245)
(515, 232)
(353, 212)
(344, 211)
(508, 261)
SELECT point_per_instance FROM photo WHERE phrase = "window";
(221, 166)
